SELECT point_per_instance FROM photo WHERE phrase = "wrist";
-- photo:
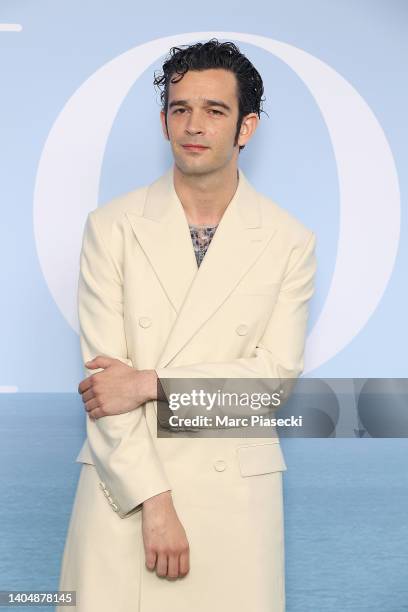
(149, 384)
(163, 499)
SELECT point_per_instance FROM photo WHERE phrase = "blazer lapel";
(196, 293)
(163, 233)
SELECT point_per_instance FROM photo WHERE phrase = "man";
(185, 523)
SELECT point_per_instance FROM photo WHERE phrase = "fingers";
(88, 395)
(97, 363)
(91, 405)
(184, 563)
(170, 566)
(161, 565)
(94, 409)
(85, 384)
(100, 362)
(151, 558)
(173, 566)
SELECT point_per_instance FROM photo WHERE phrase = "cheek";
(222, 136)
(173, 128)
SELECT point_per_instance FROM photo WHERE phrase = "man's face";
(202, 110)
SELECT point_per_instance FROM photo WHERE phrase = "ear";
(163, 122)
(248, 127)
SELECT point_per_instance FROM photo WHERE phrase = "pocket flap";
(260, 458)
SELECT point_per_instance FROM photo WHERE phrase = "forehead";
(216, 83)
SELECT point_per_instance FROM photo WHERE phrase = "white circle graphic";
(69, 172)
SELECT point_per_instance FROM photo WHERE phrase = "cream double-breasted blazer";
(242, 313)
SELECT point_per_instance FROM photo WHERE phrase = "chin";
(197, 167)
(193, 169)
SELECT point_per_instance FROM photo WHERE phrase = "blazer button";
(145, 322)
(115, 508)
(242, 330)
(220, 465)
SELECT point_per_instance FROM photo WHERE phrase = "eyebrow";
(207, 102)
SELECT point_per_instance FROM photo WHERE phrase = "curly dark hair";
(214, 54)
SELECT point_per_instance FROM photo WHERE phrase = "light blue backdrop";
(58, 47)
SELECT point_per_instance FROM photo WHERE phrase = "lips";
(194, 147)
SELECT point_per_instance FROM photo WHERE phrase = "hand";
(117, 389)
(165, 541)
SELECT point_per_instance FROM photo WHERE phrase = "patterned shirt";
(201, 236)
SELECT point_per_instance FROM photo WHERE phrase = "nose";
(194, 124)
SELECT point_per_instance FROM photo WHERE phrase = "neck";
(205, 197)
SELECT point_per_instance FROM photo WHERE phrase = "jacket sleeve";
(122, 446)
(279, 353)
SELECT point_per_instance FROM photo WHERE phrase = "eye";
(179, 110)
(216, 112)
